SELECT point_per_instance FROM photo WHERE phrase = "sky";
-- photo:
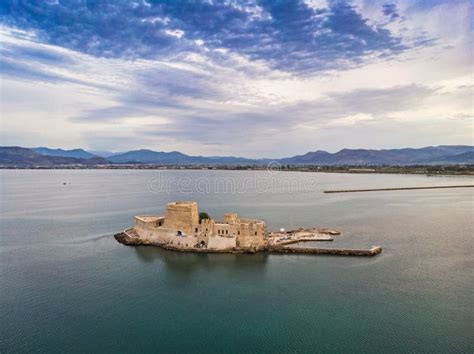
(244, 78)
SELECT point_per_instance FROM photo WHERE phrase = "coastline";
(127, 238)
(429, 171)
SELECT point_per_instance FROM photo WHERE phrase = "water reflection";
(147, 254)
(187, 262)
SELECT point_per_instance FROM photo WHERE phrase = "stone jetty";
(373, 251)
(395, 189)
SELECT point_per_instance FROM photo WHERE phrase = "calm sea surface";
(67, 286)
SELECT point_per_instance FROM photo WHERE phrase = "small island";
(183, 228)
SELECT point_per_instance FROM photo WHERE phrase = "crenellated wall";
(252, 235)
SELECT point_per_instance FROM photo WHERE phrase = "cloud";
(35, 55)
(335, 109)
(390, 10)
(286, 35)
(18, 70)
(22, 58)
(381, 101)
(136, 88)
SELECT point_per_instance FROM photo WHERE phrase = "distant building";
(180, 228)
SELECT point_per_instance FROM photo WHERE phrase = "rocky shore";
(130, 238)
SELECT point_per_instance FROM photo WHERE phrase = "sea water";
(66, 285)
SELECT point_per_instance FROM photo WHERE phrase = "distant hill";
(464, 158)
(22, 157)
(150, 156)
(431, 155)
(427, 155)
(176, 158)
(77, 153)
(408, 156)
(323, 157)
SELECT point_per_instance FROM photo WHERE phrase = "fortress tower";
(182, 216)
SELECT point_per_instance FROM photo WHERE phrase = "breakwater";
(394, 189)
(374, 250)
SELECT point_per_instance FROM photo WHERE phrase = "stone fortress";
(181, 229)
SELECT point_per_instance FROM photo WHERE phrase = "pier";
(373, 251)
(394, 189)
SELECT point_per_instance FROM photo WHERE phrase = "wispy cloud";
(286, 35)
(390, 10)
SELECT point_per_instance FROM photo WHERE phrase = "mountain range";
(76, 153)
(46, 157)
(11, 156)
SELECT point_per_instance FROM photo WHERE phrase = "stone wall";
(182, 216)
(182, 241)
(148, 222)
(221, 243)
(159, 236)
(252, 235)
(248, 233)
